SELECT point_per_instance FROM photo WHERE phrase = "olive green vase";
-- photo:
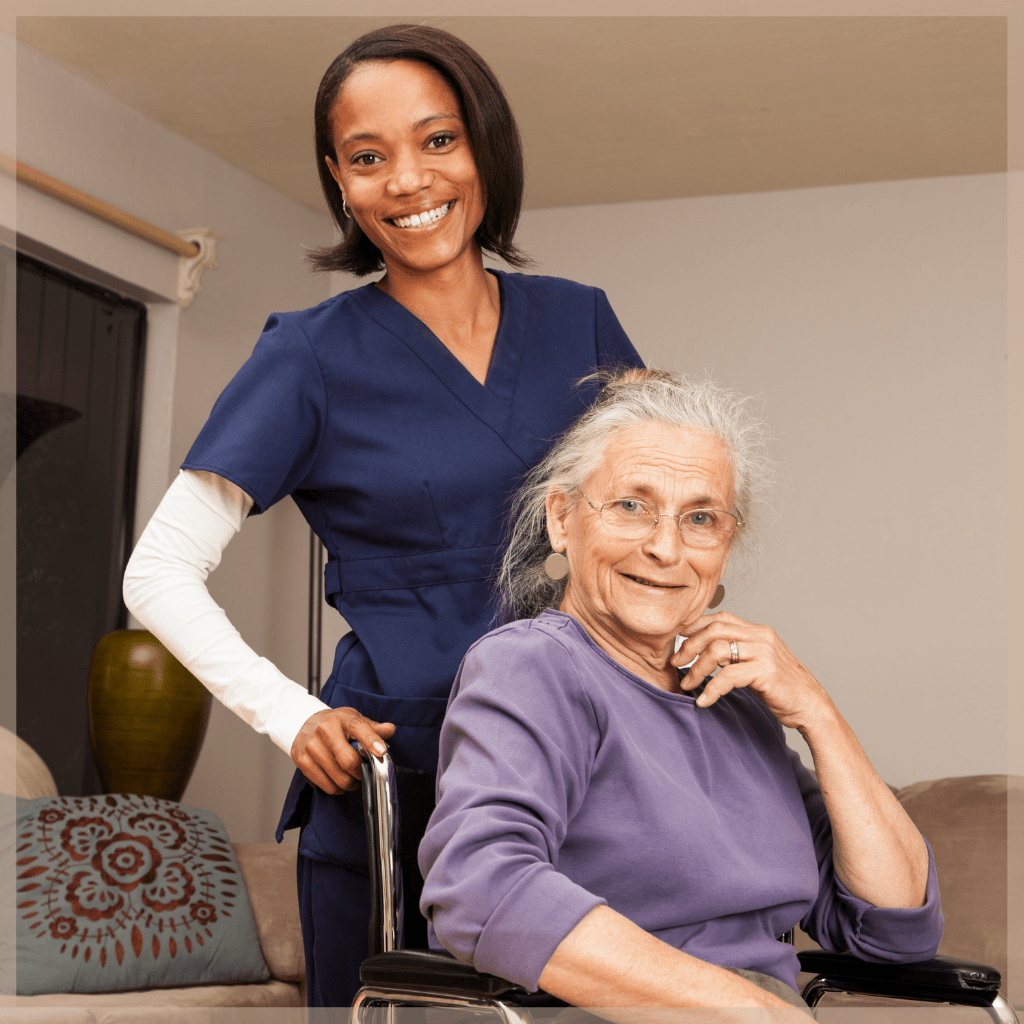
(147, 715)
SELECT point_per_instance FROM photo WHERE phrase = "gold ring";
(734, 652)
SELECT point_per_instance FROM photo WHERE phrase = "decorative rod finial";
(190, 268)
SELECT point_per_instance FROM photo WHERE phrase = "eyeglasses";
(633, 519)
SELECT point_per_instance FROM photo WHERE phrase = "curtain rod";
(82, 201)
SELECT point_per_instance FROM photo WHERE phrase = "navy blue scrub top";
(404, 464)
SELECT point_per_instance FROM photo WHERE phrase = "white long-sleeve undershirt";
(165, 589)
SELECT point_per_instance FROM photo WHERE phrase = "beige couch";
(965, 821)
(269, 873)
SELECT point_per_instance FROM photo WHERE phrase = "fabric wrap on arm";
(267, 425)
(841, 921)
(493, 892)
(165, 588)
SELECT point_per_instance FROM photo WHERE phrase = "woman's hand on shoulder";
(759, 661)
(323, 751)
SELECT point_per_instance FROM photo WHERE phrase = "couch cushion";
(269, 871)
(47, 1015)
(964, 820)
(268, 993)
(121, 892)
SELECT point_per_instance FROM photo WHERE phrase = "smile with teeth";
(418, 220)
(651, 583)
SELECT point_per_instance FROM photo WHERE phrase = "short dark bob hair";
(493, 136)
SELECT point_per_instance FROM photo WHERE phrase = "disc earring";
(719, 596)
(556, 566)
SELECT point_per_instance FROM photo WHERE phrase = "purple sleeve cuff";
(527, 926)
(893, 934)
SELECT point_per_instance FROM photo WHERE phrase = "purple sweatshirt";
(566, 781)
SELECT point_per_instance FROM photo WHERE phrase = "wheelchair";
(392, 977)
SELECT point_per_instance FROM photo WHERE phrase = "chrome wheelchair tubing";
(387, 910)
(817, 988)
(370, 998)
(1002, 1012)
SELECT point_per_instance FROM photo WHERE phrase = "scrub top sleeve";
(266, 428)
(613, 346)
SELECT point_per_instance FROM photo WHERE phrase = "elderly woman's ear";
(557, 505)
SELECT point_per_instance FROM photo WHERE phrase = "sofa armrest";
(22, 771)
(269, 873)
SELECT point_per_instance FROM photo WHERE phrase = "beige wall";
(871, 318)
(80, 135)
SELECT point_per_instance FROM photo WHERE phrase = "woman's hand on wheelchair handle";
(323, 750)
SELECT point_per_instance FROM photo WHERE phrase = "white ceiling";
(611, 109)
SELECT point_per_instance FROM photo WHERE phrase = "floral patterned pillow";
(121, 892)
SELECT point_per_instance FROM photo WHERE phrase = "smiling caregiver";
(400, 416)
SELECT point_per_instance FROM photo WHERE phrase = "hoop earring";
(556, 566)
(344, 207)
(719, 596)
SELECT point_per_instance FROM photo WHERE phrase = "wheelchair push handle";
(380, 814)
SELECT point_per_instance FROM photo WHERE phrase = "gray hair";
(630, 396)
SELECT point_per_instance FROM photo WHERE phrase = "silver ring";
(734, 652)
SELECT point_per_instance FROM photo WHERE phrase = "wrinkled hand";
(766, 665)
(323, 753)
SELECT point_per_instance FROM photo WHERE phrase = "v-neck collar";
(491, 401)
(503, 369)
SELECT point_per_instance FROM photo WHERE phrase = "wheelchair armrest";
(433, 970)
(944, 979)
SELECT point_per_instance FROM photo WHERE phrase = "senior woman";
(613, 828)
(400, 416)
